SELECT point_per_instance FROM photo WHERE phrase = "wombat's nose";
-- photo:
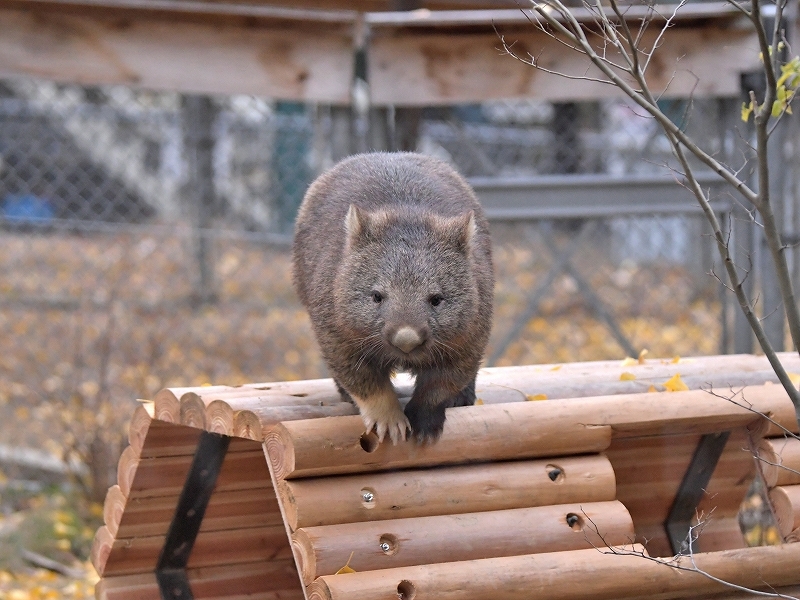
(406, 339)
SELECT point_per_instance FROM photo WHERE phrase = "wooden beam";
(445, 69)
(231, 57)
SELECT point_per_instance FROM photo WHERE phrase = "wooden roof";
(442, 53)
(517, 498)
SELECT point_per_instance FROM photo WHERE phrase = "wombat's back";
(372, 181)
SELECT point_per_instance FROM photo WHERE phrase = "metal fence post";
(199, 114)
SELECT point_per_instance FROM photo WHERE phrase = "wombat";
(392, 259)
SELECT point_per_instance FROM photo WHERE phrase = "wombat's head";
(406, 292)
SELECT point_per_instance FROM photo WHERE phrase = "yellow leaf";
(63, 544)
(652, 388)
(642, 354)
(346, 568)
(478, 402)
(675, 384)
(628, 361)
(753, 535)
(556, 368)
(675, 359)
(795, 379)
(627, 376)
(532, 397)
(772, 537)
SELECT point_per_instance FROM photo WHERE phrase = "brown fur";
(392, 250)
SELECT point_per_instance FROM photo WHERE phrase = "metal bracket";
(182, 533)
(695, 480)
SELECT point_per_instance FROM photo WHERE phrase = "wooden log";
(192, 411)
(561, 387)
(114, 508)
(236, 509)
(791, 591)
(447, 490)
(273, 580)
(521, 430)
(167, 406)
(780, 461)
(127, 466)
(566, 576)
(140, 424)
(477, 433)
(102, 544)
(220, 418)
(255, 425)
(427, 540)
(247, 425)
(212, 548)
(786, 504)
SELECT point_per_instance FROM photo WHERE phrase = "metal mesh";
(144, 244)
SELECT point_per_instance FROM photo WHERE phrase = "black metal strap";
(695, 480)
(182, 533)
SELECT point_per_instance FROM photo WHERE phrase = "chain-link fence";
(145, 244)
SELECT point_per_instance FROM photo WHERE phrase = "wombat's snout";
(406, 339)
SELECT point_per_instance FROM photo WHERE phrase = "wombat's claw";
(395, 424)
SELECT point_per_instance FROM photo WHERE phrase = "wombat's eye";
(377, 297)
(436, 299)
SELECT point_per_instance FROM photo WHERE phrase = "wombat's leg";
(381, 410)
(465, 397)
(346, 397)
(433, 393)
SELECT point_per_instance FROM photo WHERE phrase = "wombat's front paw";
(386, 419)
(426, 421)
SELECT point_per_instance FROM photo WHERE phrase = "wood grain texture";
(173, 54)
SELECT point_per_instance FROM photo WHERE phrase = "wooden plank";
(231, 546)
(270, 580)
(445, 69)
(168, 54)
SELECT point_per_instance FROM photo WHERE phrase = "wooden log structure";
(569, 497)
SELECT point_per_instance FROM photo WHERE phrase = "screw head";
(368, 496)
(385, 547)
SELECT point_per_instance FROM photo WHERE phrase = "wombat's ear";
(355, 226)
(459, 231)
(468, 229)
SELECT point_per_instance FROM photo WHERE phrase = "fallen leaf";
(628, 361)
(675, 360)
(556, 368)
(346, 568)
(478, 402)
(532, 397)
(652, 388)
(642, 354)
(675, 384)
(626, 376)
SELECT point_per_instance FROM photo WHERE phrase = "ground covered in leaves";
(91, 322)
